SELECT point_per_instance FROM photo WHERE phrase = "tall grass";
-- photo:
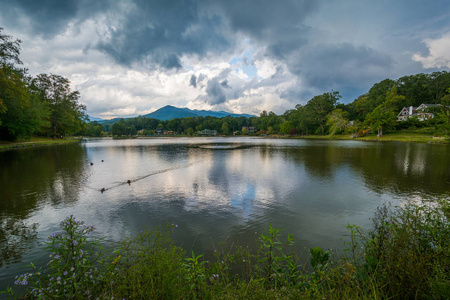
(405, 255)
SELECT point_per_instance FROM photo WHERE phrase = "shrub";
(73, 269)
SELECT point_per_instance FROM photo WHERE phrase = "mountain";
(93, 119)
(170, 112)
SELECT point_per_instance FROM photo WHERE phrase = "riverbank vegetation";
(36, 141)
(43, 105)
(371, 114)
(405, 255)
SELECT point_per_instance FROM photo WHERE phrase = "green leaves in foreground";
(405, 255)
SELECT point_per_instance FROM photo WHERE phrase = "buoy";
(102, 160)
(92, 164)
(102, 190)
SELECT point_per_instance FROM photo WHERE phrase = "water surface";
(214, 189)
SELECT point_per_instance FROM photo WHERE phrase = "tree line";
(374, 111)
(45, 105)
(34, 105)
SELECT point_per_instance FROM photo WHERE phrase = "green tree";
(9, 49)
(337, 121)
(97, 130)
(380, 117)
(133, 130)
(21, 114)
(319, 107)
(190, 131)
(286, 127)
(118, 128)
(225, 128)
(384, 115)
(67, 115)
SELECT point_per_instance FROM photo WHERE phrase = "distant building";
(418, 112)
(207, 132)
(249, 130)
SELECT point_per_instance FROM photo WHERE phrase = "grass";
(387, 137)
(405, 255)
(405, 137)
(36, 141)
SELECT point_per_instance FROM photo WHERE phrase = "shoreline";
(388, 137)
(36, 142)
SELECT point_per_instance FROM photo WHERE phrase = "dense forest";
(41, 105)
(45, 105)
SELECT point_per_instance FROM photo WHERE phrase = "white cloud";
(439, 55)
(265, 68)
(251, 62)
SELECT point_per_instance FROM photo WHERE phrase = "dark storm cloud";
(193, 81)
(175, 28)
(278, 25)
(160, 32)
(333, 66)
(215, 92)
(49, 17)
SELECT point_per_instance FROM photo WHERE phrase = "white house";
(419, 112)
(207, 132)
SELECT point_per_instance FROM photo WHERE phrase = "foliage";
(72, 269)
(405, 255)
(66, 114)
(337, 120)
(274, 264)
(40, 105)
(148, 266)
(9, 49)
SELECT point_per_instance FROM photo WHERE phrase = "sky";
(132, 57)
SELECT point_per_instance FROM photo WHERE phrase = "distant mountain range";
(170, 112)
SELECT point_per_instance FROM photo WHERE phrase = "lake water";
(215, 189)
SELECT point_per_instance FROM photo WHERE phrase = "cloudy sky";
(131, 57)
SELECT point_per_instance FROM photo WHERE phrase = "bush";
(405, 255)
(72, 271)
(408, 250)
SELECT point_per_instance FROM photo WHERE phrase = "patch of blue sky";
(243, 64)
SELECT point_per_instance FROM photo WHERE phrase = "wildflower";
(71, 269)
(65, 272)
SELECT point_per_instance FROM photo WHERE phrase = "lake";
(215, 189)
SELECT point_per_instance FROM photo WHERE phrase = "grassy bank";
(388, 137)
(405, 255)
(36, 141)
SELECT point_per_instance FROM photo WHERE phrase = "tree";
(384, 115)
(21, 114)
(319, 107)
(379, 118)
(67, 115)
(133, 130)
(286, 127)
(190, 131)
(119, 128)
(337, 120)
(9, 49)
(225, 128)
